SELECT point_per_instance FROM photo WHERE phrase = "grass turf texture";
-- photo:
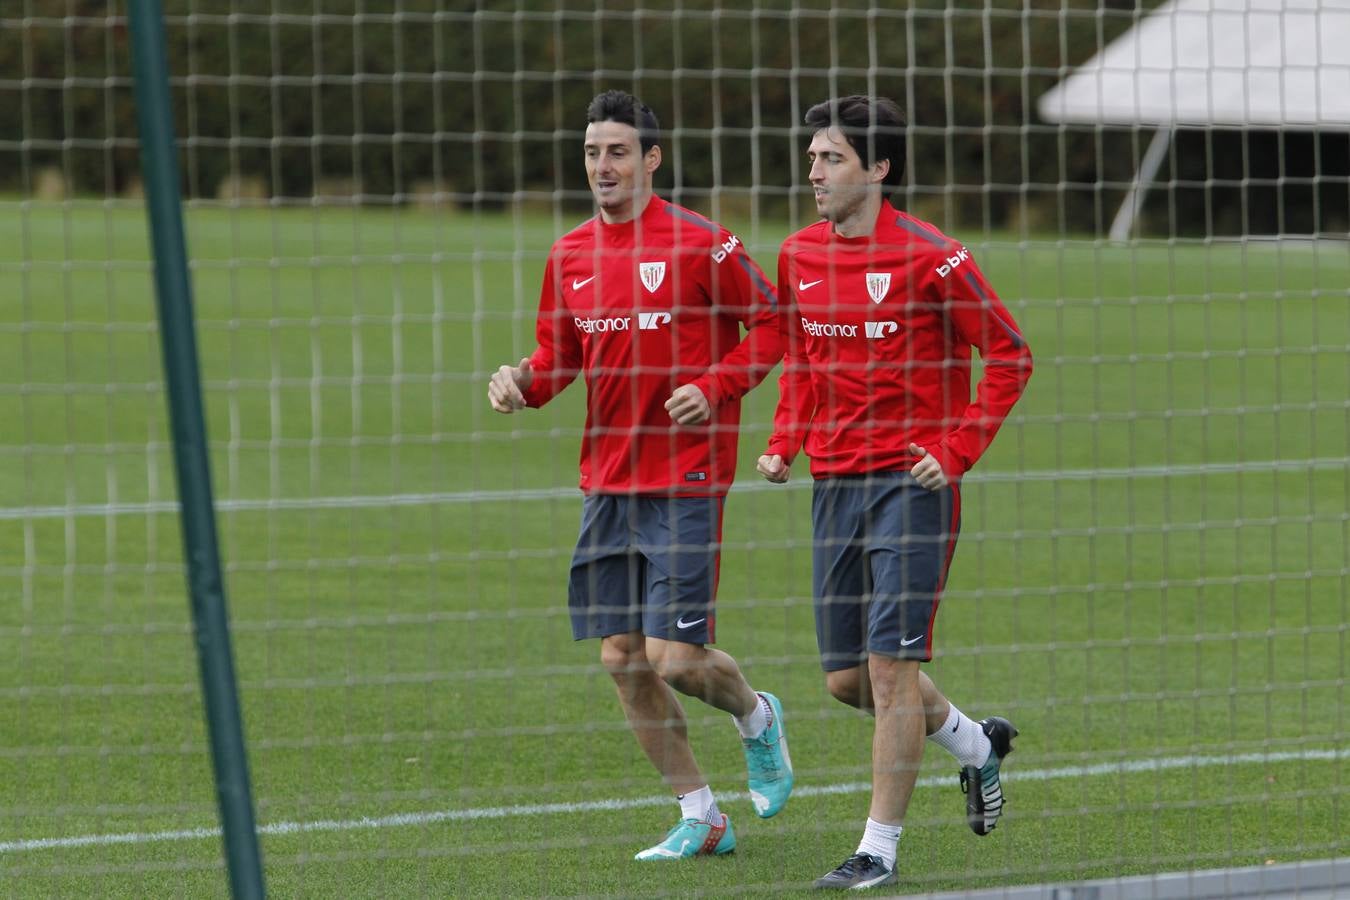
(1133, 582)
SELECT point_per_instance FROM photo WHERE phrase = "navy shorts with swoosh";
(647, 564)
(882, 547)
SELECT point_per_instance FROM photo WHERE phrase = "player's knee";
(677, 664)
(670, 668)
(847, 686)
(622, 657)
(895, 682)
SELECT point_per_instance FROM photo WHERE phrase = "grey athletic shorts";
(882, 548)
(646, 564)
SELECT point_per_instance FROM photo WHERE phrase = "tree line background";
(483, 104)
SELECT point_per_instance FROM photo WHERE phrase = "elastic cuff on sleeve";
(951, 466)
(708, 385)
(779, 447)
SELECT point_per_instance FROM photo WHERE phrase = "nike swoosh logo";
(906, 643)
(803, 285)
(682, 624)
(579, 283)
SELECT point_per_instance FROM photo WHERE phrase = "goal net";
(1151, 579)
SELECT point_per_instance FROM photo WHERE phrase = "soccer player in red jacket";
(879, 313)
(647, 301)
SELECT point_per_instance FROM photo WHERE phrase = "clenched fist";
(506, 385)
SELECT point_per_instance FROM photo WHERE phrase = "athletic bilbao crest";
(878, 285)
(652, 275)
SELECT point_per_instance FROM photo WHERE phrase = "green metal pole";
(159, 165)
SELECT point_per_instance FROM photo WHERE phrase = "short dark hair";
(873, 126)
(623, 107)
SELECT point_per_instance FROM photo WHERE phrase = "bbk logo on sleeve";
(652, 273)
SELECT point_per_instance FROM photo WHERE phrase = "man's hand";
(688, 406)
(506, 384)
(772, 467)
(927, 471)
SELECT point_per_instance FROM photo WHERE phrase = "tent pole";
(1143, 180)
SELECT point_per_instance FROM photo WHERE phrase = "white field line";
(399, 820)
(82, 510)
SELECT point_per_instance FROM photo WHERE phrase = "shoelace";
(763, 754)
(683, 822)
(858, 863)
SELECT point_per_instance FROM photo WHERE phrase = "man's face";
(840, 180)
(616, 167)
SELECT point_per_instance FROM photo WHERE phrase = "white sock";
(699, 805)
(752, 724)
(879, 840)
(963, 738)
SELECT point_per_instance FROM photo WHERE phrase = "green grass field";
(1151, 581)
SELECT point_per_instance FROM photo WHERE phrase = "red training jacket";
(878, 332)
(640, 308)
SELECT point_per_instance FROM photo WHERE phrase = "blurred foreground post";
(159, 163)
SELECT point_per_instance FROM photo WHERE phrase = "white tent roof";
(1217, 62)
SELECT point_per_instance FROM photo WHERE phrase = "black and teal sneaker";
(858, 873)
(983, 790)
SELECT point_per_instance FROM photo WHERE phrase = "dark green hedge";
(485, 101)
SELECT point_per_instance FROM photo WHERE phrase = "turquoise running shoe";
(768, 763)
(693, 837)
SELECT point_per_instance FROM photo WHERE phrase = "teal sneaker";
(769, 765)
(982, 786)
(692, 837)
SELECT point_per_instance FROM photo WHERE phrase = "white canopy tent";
(1235, 63)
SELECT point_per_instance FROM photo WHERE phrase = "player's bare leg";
(854, 687)
(716, 679)
(897, 739)
(897, 702)
(657, 719)
(653, 711)
(703, 672)
(979, 747)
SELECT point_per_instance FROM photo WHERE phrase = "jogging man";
(880, 312)
(647, 301)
